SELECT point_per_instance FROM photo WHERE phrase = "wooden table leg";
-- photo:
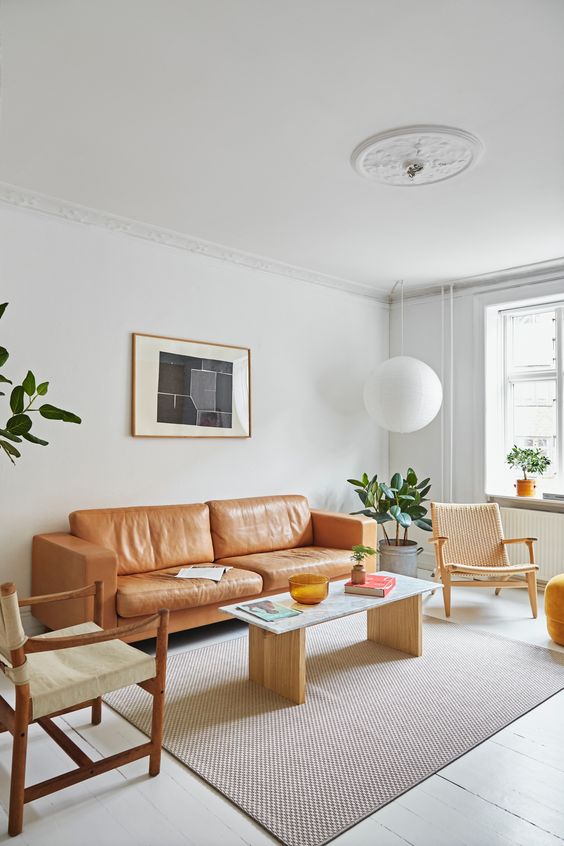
(398, 624)
(277, 661)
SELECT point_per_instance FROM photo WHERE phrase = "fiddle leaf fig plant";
(532, 461)
(401, 501)
(23, 399)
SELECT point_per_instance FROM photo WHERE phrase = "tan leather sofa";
(137, 551)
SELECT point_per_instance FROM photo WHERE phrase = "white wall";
(425, 450)
(76, 294)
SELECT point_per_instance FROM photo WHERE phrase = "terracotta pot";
(358, 574)
(526, 487)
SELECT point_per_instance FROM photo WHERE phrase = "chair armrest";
(528, 541)
(519, 540)
(440, 540)
(63, 563)
(49, 644)
(58, 597)
(343, 531)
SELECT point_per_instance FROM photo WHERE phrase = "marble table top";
(338, 604)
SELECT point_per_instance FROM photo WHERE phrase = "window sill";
(531, 503)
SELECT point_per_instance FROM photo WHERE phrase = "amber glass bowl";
(309, 589)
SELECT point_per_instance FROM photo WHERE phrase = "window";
(525, 400)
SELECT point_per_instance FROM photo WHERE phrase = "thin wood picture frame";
(182, 388)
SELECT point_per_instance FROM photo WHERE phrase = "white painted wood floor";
(509, 790)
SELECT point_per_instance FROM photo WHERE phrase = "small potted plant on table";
(533, 461)
(401, 502)
(359, 554)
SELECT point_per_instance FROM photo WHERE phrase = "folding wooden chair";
(49, 683)
(469, 542)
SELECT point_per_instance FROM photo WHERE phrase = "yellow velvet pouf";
(554, 608)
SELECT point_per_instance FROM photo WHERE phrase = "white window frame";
(554, 478)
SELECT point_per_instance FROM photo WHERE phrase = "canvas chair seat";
(67, 677)
(490, 571)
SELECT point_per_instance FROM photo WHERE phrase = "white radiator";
(548, 527)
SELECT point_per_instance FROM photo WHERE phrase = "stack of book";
(375, 585)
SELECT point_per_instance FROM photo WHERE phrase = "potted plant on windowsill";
(530, 461)
(401, 502)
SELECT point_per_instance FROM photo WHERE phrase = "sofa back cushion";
(148, 538)
(259, 524)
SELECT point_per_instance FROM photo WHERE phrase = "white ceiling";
(234, 121)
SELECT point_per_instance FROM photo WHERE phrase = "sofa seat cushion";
(276, 567)
(146, 593)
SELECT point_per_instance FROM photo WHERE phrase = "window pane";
(532, 341)
(534, 416)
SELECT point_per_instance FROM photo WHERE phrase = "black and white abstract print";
(195, 391)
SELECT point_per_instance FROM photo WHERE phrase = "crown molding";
(498, 280)
(23, 198)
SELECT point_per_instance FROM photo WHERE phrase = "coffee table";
(277, 650)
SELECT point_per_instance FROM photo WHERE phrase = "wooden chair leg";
(446, 593)
(158, 696)
(532, 587)
(19, 756)
(97, 711)
(498, 590)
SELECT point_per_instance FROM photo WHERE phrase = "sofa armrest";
(343, 531)
(62, 562)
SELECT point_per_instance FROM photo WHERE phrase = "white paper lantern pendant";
(403, 394)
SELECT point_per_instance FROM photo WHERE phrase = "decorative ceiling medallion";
(416, 155)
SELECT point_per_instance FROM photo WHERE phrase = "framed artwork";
(190, 389)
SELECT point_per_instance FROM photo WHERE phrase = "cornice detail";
(510, 277)
(23, 198)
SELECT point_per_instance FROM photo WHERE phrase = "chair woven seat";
(490, 571)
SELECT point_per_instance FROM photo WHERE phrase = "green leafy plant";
(400, 501)
(532, 461)
(360, 552)
(22, 400)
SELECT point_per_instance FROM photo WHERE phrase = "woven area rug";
(375, 723)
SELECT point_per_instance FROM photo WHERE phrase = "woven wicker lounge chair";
(469, 542)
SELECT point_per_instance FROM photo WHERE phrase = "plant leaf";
(5, 379)
(386, 491)
(17, 399)
(365, 480)
(404, 520)
(354, 482)
(423, 483)
(10, 450)
(424, 524)
(10, 436)
(28, 384)
(42, 388)
(425, 491)
(395, 511)
(396, 482)
(380, 518)
(33, 440)
(19, 424)
(4, 355)
(51, 412)
(411, 476)
(3, 308)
